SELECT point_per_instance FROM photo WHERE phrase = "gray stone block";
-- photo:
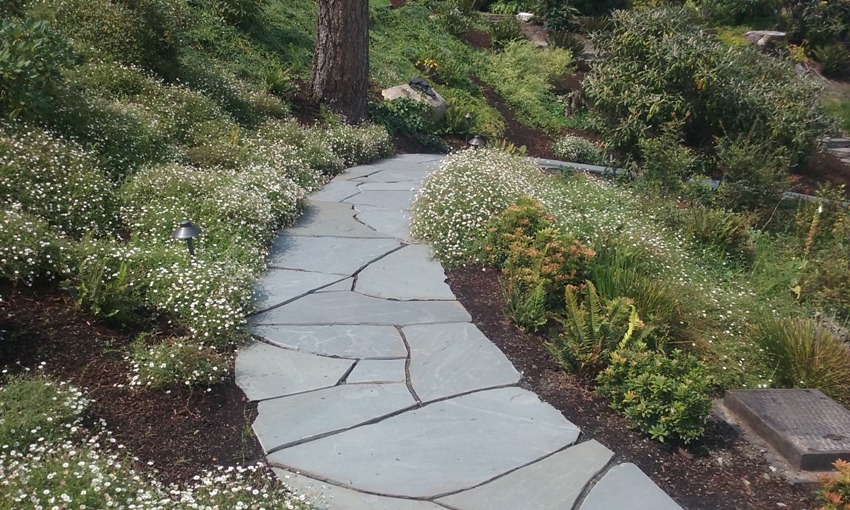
(339, 341)
(625, 486)
(386, 200)
(330, 219)
(330, 255)
(378, 371)
(279, 285)
(406, 274)
(391, 223)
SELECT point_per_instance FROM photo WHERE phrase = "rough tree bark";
(341, 61)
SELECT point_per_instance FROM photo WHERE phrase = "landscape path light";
(468, 117)
(188, 231)
(476, 142)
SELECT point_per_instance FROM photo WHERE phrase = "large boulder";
(437, 103)
(765, 39)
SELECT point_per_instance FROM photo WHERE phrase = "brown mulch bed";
(722, 471)
(182, 432)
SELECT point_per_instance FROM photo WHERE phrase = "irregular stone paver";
(625, 486)
(354, 308)
(555, 482)
(442, 447)
(392, 200)
(389, 186)
(265, 371)
(387, 222)
(280, 285)
(330, 219)
(378, 371)
(345, 285)
(430, 160)
(285, 420)
(406, 274)
(336, 191)
(448, 359)
(331, 497)
(357, 172)
(332, 255)
(340, 341)
(410, 174)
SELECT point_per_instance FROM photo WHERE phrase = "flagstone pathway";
(375, 390)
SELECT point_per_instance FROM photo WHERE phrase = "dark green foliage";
(504, 31)
(32, 56)
(405, 117)
(818, 22)
(665, 397)
(834, 60)
(736, 12)
(599, 7)
(723, 231)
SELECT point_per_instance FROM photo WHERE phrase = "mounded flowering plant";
(175, 362)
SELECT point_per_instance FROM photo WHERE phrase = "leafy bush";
(666, 162)
(578, 150)
(504, 31)
(736, 12)
(665, 397)
(32, 56)
(525, 302)
(357, 145)
(455, 203)
(805, 353)
(486, 120)
(835, 488)
(176, 362)
(818, 22)
(662, 68)
(405, 117)
(754, 173)
(524, 75)
(834, 59)
(594, 328)
(566, 40)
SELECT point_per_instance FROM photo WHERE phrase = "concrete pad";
(282, 421)
(387, 200)
(625, 486)
(324, 496)
(407, 274)
(339, 341)
(447, 359)
(279, 285)
(443, 447)
(335, 191)
(330, 219)
(265, 371)
(352, 308)
(378, 371)
(330, 255)
(392, 223)
(553, 483)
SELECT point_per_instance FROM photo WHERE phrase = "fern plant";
(594, 328)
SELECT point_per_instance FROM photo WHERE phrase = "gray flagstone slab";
(354, 308)
(341, 341)
(265, 371)
(625, 486)
(406, 274)
(335, 191)
(333, 255)
(447, 359)
(554, 483)
(331, 219)
(392, 223)
(279, 285)
(378, 371)
(420, 158)
(341, 286)
(325, 496)
(389, 186)
(390, 200)
(410, 173)
(443, 447)
(282, 421)
(357, 172)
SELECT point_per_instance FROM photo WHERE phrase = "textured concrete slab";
(352, 308)
(625, 486)
(330, 219)
(378, 371)
(447, 359)
(335, 191)
(340, 341)
(406, 274)
(265, 371)
(443, 447)
(331, 255)
(333, 497)
(391, 223)
(282, 421)
(279, 285)
(805, 426)
(387, 200)
(554, 483)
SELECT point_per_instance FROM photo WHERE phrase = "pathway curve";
(377, 390)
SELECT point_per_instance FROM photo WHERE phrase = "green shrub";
(805, 353)
(595, 327)
(36, 410)
(405, 117)
(29, 248)
(566, 40)
(755, 173)
(486, 120)
(503, 31)
(524, 76)
(834, 59)
(665, 397)
(835, 488)
(576, 149)
(666, 162)
(736, 12)
(724, 231)
(176, 362)
(817, 22)
(525, 303)
(32, 56)
(356, 145)
(104, 284)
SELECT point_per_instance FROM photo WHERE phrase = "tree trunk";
(341, 61)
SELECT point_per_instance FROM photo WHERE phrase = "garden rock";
(437, 103)
(765, 39)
